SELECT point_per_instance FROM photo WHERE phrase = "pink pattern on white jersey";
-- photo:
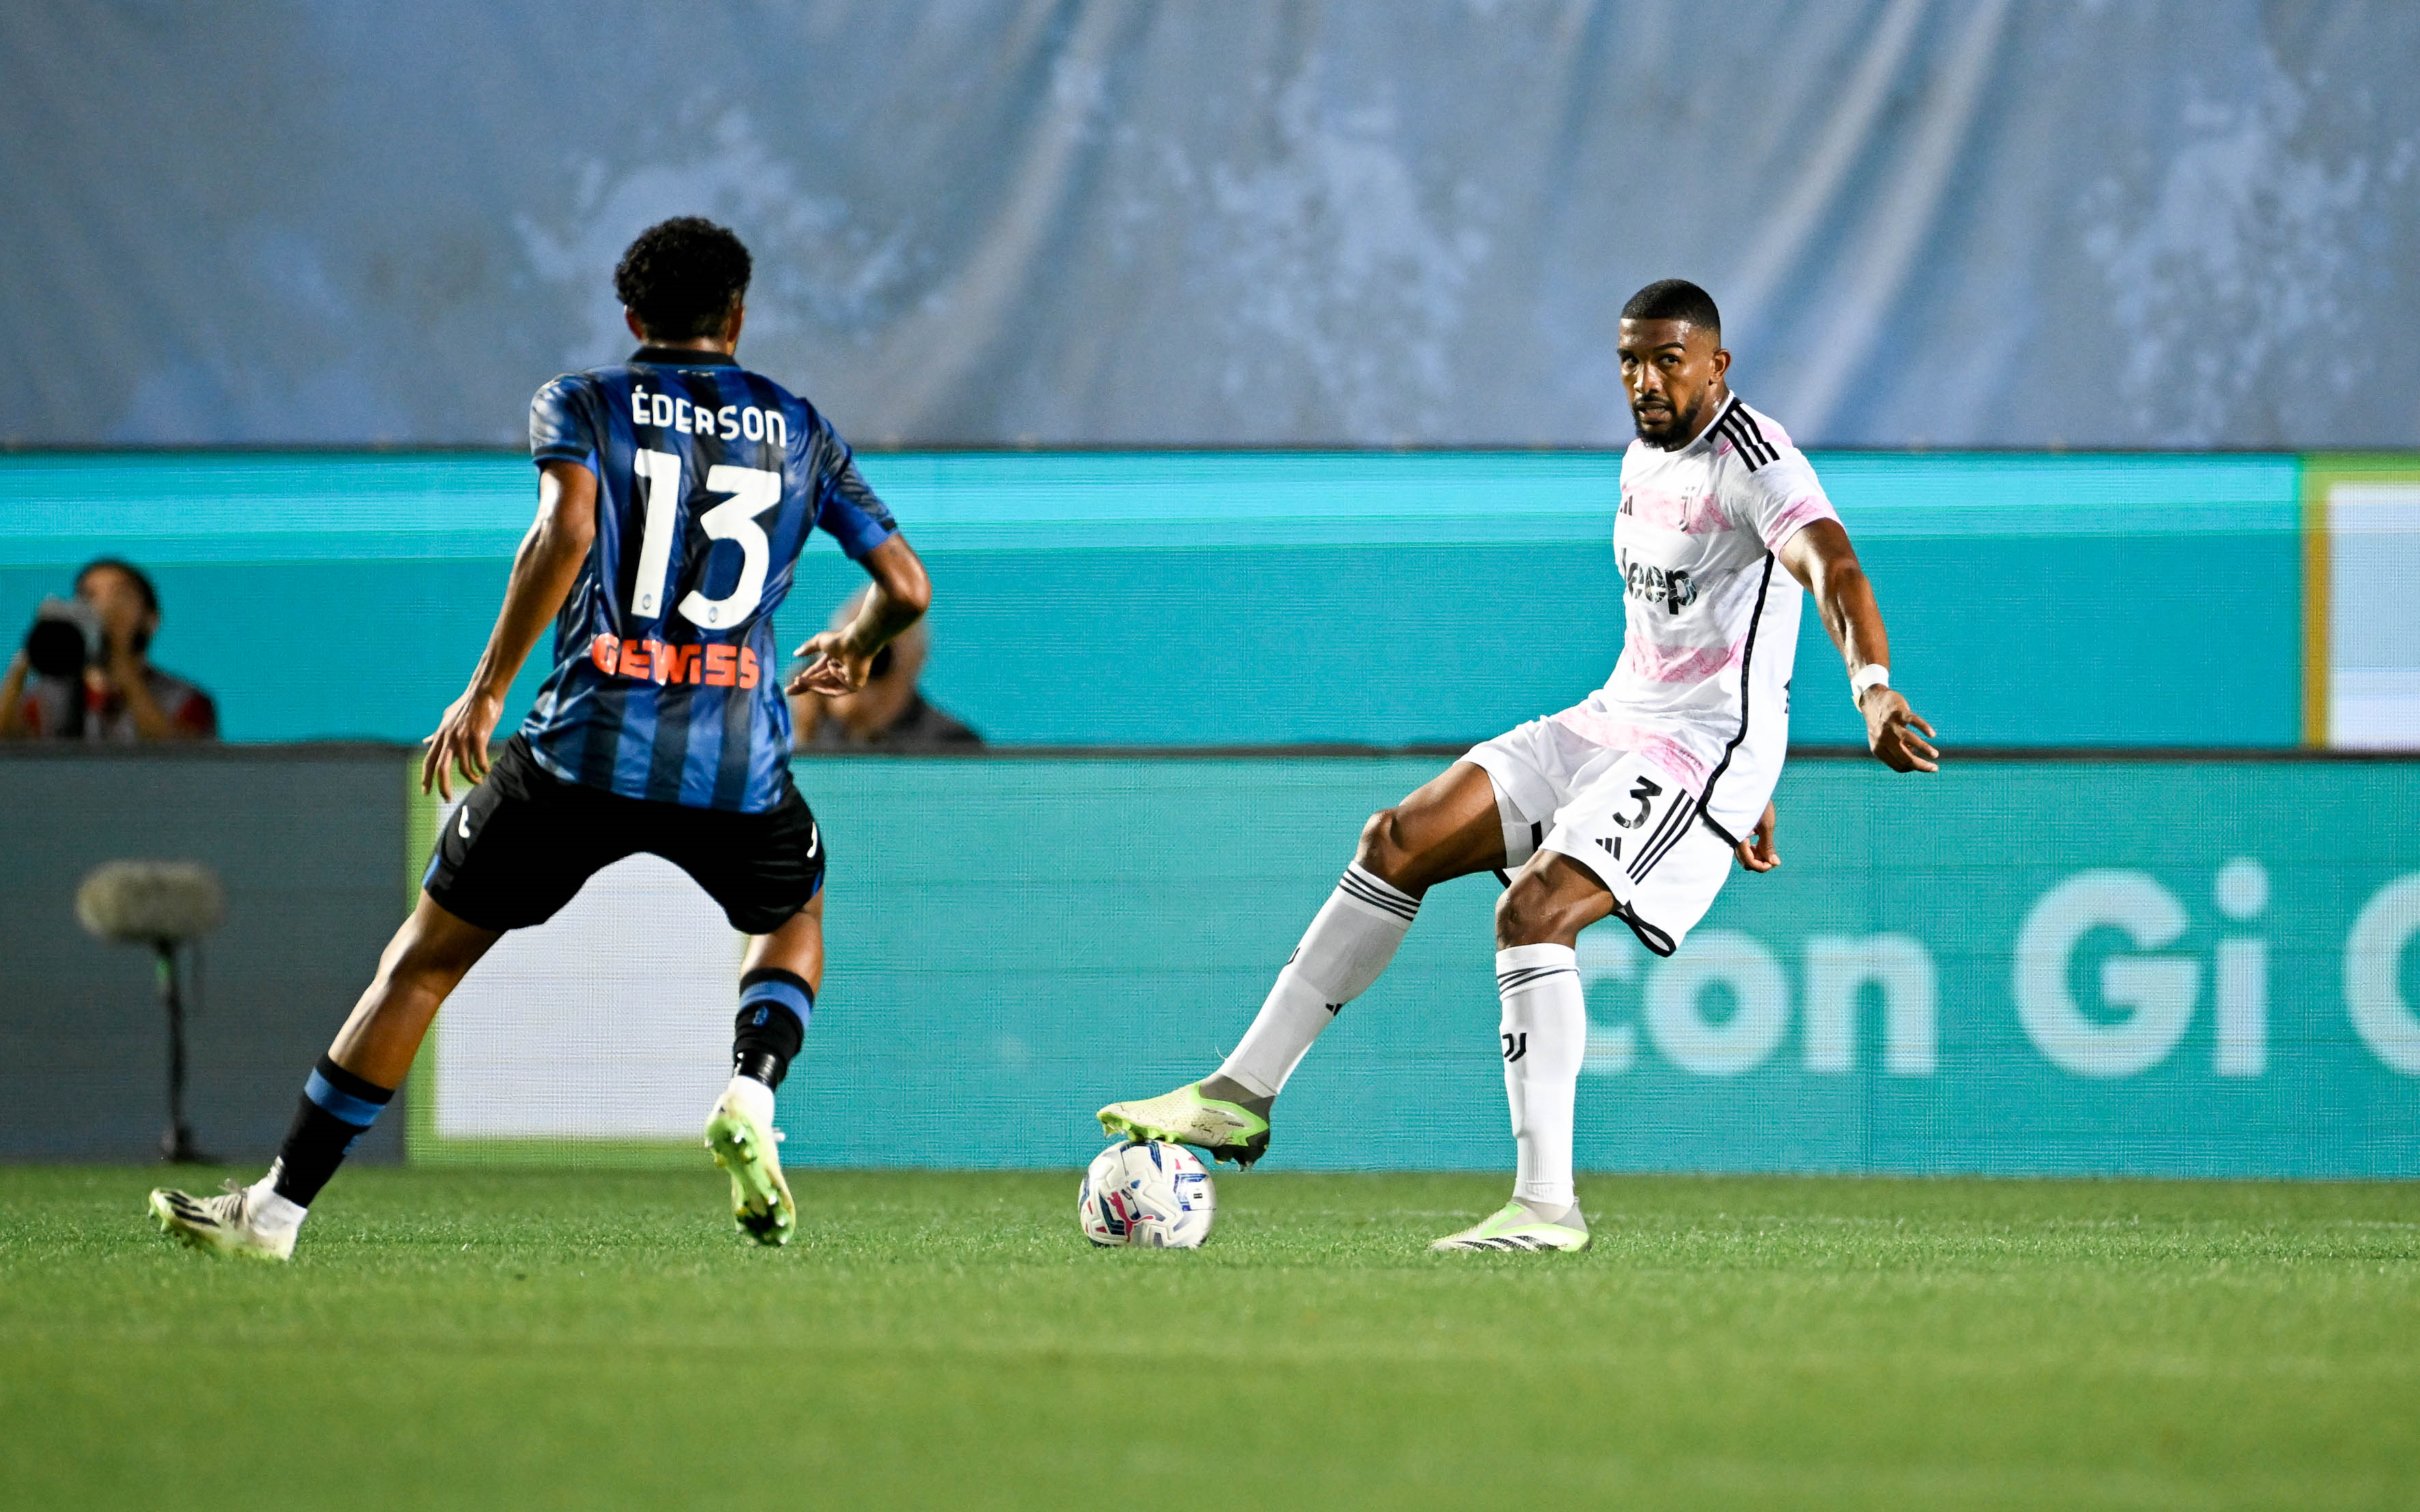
(1676, 664)
(1676, 760)
(1692, 513)
(1795, 516)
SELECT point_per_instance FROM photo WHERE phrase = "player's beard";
(1683, 422)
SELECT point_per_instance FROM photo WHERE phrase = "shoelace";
(239, 1212)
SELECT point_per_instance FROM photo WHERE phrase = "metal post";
(177, 1143)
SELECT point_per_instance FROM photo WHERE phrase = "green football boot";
(746, 1146)
(222, 1225)
(1229, 1131)
(1518, 1227)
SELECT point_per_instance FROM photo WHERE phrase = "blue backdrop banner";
(1071, 222)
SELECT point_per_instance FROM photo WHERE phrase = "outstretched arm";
(838, 660)
(1820, 557)
(544, 568)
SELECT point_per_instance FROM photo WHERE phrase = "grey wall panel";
(310, 848)
(1932, 222)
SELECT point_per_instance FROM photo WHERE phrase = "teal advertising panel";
(1247, 599)
(2026, 968)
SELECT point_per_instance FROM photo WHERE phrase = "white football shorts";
(1624, 820)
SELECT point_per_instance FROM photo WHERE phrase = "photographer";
(82, 673)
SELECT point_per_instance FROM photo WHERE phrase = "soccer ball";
(1149, 1195)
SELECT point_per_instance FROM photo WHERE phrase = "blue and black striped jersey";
(666, 681)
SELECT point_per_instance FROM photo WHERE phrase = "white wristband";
(1870, 676)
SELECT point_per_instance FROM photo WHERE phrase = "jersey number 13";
(752, 492)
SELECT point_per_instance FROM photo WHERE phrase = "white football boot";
(1517, 1226)
(1229, 1131)
(224, 1224)
(740, 1132)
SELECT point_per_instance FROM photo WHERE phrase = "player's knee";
(1382, 849)
(1386, 852)
(1531, 912)
(1516, 913)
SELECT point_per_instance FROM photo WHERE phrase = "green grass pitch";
(583, 1340)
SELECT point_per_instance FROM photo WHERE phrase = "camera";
(64, 640)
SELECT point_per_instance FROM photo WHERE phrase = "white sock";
(268, 1210)
(754, 1096)
(1545, 1038)
(1346, 946)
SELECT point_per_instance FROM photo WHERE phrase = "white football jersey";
(1710, 615)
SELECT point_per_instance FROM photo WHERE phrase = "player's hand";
(1755, 851)
(460, 742)
(1891, 729)
(835, 666)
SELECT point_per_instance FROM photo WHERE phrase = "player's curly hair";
(682, 276)
(1675, 299)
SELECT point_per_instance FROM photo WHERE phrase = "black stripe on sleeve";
(1746, 427)
(1740, 429)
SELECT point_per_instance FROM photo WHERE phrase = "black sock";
(337, 1108)
(774, 1007)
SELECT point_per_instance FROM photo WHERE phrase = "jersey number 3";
(752, 492)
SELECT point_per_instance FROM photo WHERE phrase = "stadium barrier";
(2177, 966)
(2181, 964)
(1385, 598)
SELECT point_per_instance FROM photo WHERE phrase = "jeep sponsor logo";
(1672, 586)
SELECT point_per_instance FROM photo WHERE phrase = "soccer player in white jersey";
(1631, 803)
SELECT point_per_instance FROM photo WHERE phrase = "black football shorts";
(523, 841)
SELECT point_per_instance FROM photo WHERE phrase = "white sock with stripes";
(1343, 953)
(1545, 1038)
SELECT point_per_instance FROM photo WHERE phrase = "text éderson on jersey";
(671, 412)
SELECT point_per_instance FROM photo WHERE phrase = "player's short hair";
(1675, 299)
(682, 276)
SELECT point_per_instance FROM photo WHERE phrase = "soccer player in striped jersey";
(676, 492)
(1630, 804)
